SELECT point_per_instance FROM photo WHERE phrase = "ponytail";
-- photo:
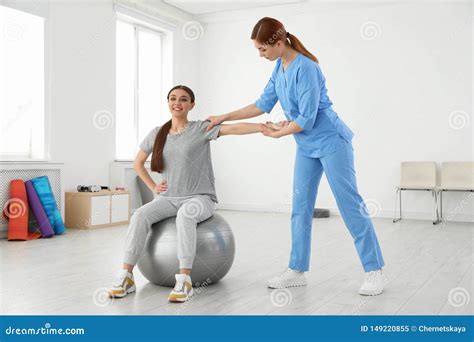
(296, 44)
(157, 163)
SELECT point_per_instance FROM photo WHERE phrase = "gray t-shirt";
(187, 160)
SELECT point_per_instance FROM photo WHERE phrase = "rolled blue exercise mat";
(46, 197)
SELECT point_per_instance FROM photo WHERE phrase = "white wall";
(81, 69)
(396, 92)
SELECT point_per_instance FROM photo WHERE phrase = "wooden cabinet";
(120, 208)
(85, 210)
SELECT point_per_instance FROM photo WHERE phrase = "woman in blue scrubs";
(323, 145)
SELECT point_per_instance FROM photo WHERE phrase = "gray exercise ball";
(215, 250)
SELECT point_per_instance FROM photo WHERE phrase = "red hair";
(268, 31)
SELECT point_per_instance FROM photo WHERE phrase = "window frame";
(142, 22)
(24, 158)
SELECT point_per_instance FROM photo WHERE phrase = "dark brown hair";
(157, 163)
(268, 31)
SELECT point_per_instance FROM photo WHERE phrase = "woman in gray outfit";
(181, 153)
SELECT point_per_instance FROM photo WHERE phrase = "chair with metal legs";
(455, 176)
(417, 176)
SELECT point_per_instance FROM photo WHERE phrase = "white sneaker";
(124, 285)
(287, 278)
(183, 290)
(374, 283)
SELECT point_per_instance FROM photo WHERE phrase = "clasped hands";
(274, 130)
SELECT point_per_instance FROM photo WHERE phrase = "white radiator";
(27, 172)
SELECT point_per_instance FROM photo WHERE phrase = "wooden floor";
(429, 269)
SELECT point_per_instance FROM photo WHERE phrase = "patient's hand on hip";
(161, 187)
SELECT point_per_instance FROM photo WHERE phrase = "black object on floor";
(321, 213)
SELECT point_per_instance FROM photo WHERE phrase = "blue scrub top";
(301, 90)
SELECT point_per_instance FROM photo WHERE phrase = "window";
(139, 86)
(22, 104)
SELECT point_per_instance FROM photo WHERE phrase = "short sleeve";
(308, 92)
(269, 97)
(147, 143)
(212, 134)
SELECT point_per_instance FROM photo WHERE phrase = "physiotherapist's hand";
(269, 131)
(215, 120)
(284, 124)
(162, 187)
(277, 126)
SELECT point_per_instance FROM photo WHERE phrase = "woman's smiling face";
(179, 103)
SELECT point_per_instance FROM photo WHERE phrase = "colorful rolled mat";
(16, 212)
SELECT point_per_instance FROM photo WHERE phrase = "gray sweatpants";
(189, 211)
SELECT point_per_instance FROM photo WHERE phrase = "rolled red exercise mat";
(16, 212)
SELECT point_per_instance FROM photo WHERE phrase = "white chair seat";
(457, 176)
(418, 176)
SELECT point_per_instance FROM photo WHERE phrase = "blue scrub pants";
(340, 173)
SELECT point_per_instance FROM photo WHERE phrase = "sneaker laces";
(285, 273)
(372, 277)
(119, 279)
(179, 287)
